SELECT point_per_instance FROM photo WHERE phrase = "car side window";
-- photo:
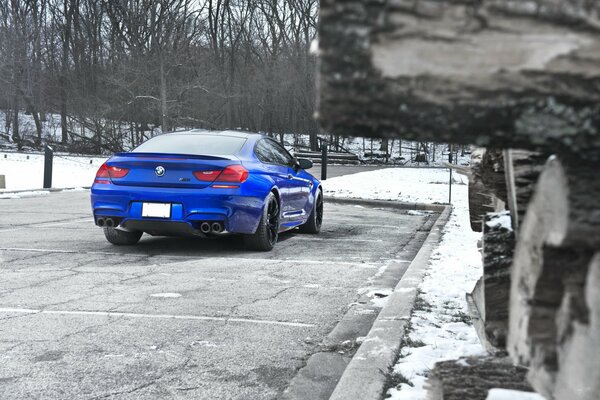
(269, 151)
(263, 152)
(282, 154)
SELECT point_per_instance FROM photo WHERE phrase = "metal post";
(323, 161)
(450, 188)
(48, 156)
(450, 182)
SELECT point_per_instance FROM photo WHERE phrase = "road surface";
(172, 317)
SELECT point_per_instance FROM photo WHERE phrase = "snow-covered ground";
(26, 171)
(414, 185)
(440, 329)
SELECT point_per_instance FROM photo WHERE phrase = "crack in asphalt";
(145, 385)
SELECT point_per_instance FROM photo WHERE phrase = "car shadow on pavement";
(191, 246)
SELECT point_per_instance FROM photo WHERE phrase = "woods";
(117, 70)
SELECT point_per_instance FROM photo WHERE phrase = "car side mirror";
(304, 163)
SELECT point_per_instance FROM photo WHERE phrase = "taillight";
(207, 176)
(105, 172)
(232, 173)
(116, 172)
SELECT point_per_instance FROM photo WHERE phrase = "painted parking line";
(357, 263)
(155, 316)
(341, 239)
(346, 222)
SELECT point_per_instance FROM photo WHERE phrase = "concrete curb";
(365, 376)
(388, 204)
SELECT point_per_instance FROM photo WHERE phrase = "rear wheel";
(313, 224)
(267, 232)
(119, 237)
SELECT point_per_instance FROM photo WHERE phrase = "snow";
(502, 220)
(505, 394)
(438, 328)
(26, 171)
(23, 194)
(413, 185)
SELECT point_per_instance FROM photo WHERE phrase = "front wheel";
(119, 237)
(267, 232)
(315, 219)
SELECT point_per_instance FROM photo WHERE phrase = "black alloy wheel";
(315, 219)
(273, 220)
(266, 234)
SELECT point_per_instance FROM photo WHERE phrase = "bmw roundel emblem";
(159, 171)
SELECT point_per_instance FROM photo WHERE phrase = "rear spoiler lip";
(175, 156)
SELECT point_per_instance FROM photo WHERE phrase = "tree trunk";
(68, 10)
(163, 96)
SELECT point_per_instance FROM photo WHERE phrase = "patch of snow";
(505, 394)
(502, 220)
(23, 194)
(26, 171)
(411, 185)
(463, 363)
(379, 297)
(415, 212)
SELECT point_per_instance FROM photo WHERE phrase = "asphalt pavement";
(174, 317)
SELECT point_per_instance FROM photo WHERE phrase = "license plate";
(156, 210)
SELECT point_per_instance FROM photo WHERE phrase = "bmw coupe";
(206, 183)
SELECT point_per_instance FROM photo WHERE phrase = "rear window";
(201, 145)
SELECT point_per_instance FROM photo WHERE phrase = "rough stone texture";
(471, 378)
(560, 233)
(502, 74)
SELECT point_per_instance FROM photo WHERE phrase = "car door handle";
(290, 176)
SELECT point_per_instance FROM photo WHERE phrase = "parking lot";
(173, 317)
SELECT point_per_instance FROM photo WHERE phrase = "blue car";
(205, 183)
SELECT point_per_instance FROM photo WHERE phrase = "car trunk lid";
(168, 170)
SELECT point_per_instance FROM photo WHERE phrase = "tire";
(266, 234)
(120, 238)
(315, 219)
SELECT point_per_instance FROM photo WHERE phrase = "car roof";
(240, 134)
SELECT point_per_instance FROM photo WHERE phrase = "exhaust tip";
(109, 222)
(217, 227)
(205, 227)
(100, 222)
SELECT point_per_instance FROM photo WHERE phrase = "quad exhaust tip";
(205, 227)
(109, 222)
(217, 227)
(100, 222)
(214, 227)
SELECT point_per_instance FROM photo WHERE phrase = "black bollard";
(48, 156)
(323, 161)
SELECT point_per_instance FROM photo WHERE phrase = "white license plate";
(156, 210)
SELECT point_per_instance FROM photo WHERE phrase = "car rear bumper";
(239, 209)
